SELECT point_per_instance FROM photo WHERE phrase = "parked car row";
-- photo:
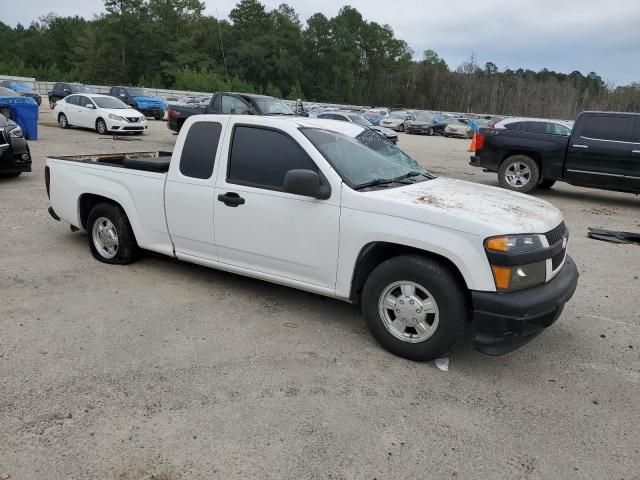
(22, 89)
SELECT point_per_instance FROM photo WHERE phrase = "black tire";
(101, 127)
(10, 175)
(546, 183)
(158, 116)
(445, 290)
(63, 121)
(402, 127)
(127, 247)
(514, 164)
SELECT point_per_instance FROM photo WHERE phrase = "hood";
(419, 123)
(149, 100)
(123, 112)
(469, 207)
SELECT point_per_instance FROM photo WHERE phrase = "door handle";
(231, 199)
(578, 145)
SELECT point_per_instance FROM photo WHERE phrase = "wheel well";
(98, 119)
(533, 155)
(373, 254)
(87, 202)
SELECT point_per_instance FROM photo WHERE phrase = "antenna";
(224, 60)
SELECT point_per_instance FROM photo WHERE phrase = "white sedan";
(103, 113)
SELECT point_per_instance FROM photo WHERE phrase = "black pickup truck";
(229, 103)
(602, 151)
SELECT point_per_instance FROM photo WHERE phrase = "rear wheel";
(158, 116)
(111, 238)
(101, 126)
(519, 173)
(546, 183)
(402, 127)
(62, 121)
(415, 307)
(430, 132)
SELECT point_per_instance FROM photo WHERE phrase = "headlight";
(517, 261)
(16, 132)
(116, 117)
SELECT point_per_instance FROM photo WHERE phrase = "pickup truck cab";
(332, 208)
(601, 151)
(227, 103)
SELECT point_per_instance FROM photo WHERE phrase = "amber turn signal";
(502, 277)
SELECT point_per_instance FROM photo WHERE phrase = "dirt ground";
(166, 370)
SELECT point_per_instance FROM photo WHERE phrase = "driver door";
(266, 229)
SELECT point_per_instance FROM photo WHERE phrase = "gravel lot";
(166, 370)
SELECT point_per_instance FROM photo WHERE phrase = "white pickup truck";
(332, 208)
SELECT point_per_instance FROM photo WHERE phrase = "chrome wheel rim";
(105, 237)
(102, 127)
(518, 175)
(62, 120)
(408, 311)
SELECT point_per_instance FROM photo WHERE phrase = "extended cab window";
(261, 157)
(199, 150)
(233, 105)
(607, 127)
(514, 126)
(557, 129)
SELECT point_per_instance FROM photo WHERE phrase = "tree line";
(343, 59)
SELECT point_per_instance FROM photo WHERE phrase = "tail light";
(47, 181)
(479, 141)
(173, 114)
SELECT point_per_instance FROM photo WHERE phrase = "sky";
(561, 35)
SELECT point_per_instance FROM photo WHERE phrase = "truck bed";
(157, 161)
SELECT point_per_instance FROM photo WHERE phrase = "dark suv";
(61, 90)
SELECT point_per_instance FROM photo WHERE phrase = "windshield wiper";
(413, 173)
(385, 181)
(373, 183)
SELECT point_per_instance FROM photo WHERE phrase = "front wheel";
(519, 173)
(415, 307)
(101, 127)
(402, 127)
(62, 121)
(111, 238)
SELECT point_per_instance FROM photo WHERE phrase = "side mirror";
(90, 105)
(306, 183)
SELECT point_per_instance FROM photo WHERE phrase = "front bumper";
(152, 111)
(124, 126)
(14, 157)
(503, 322)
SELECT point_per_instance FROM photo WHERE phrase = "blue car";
(142, 100)
(22, 89)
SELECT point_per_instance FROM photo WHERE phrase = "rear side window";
(73, 100)
(513, 126)
(261, 157)
(533, 127)
(607, 127)
(556, 129)
(199, 150)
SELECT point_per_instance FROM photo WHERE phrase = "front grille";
(133, 119)
(556, 234)
(556, 261)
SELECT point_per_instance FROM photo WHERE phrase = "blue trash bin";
(23, 111)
